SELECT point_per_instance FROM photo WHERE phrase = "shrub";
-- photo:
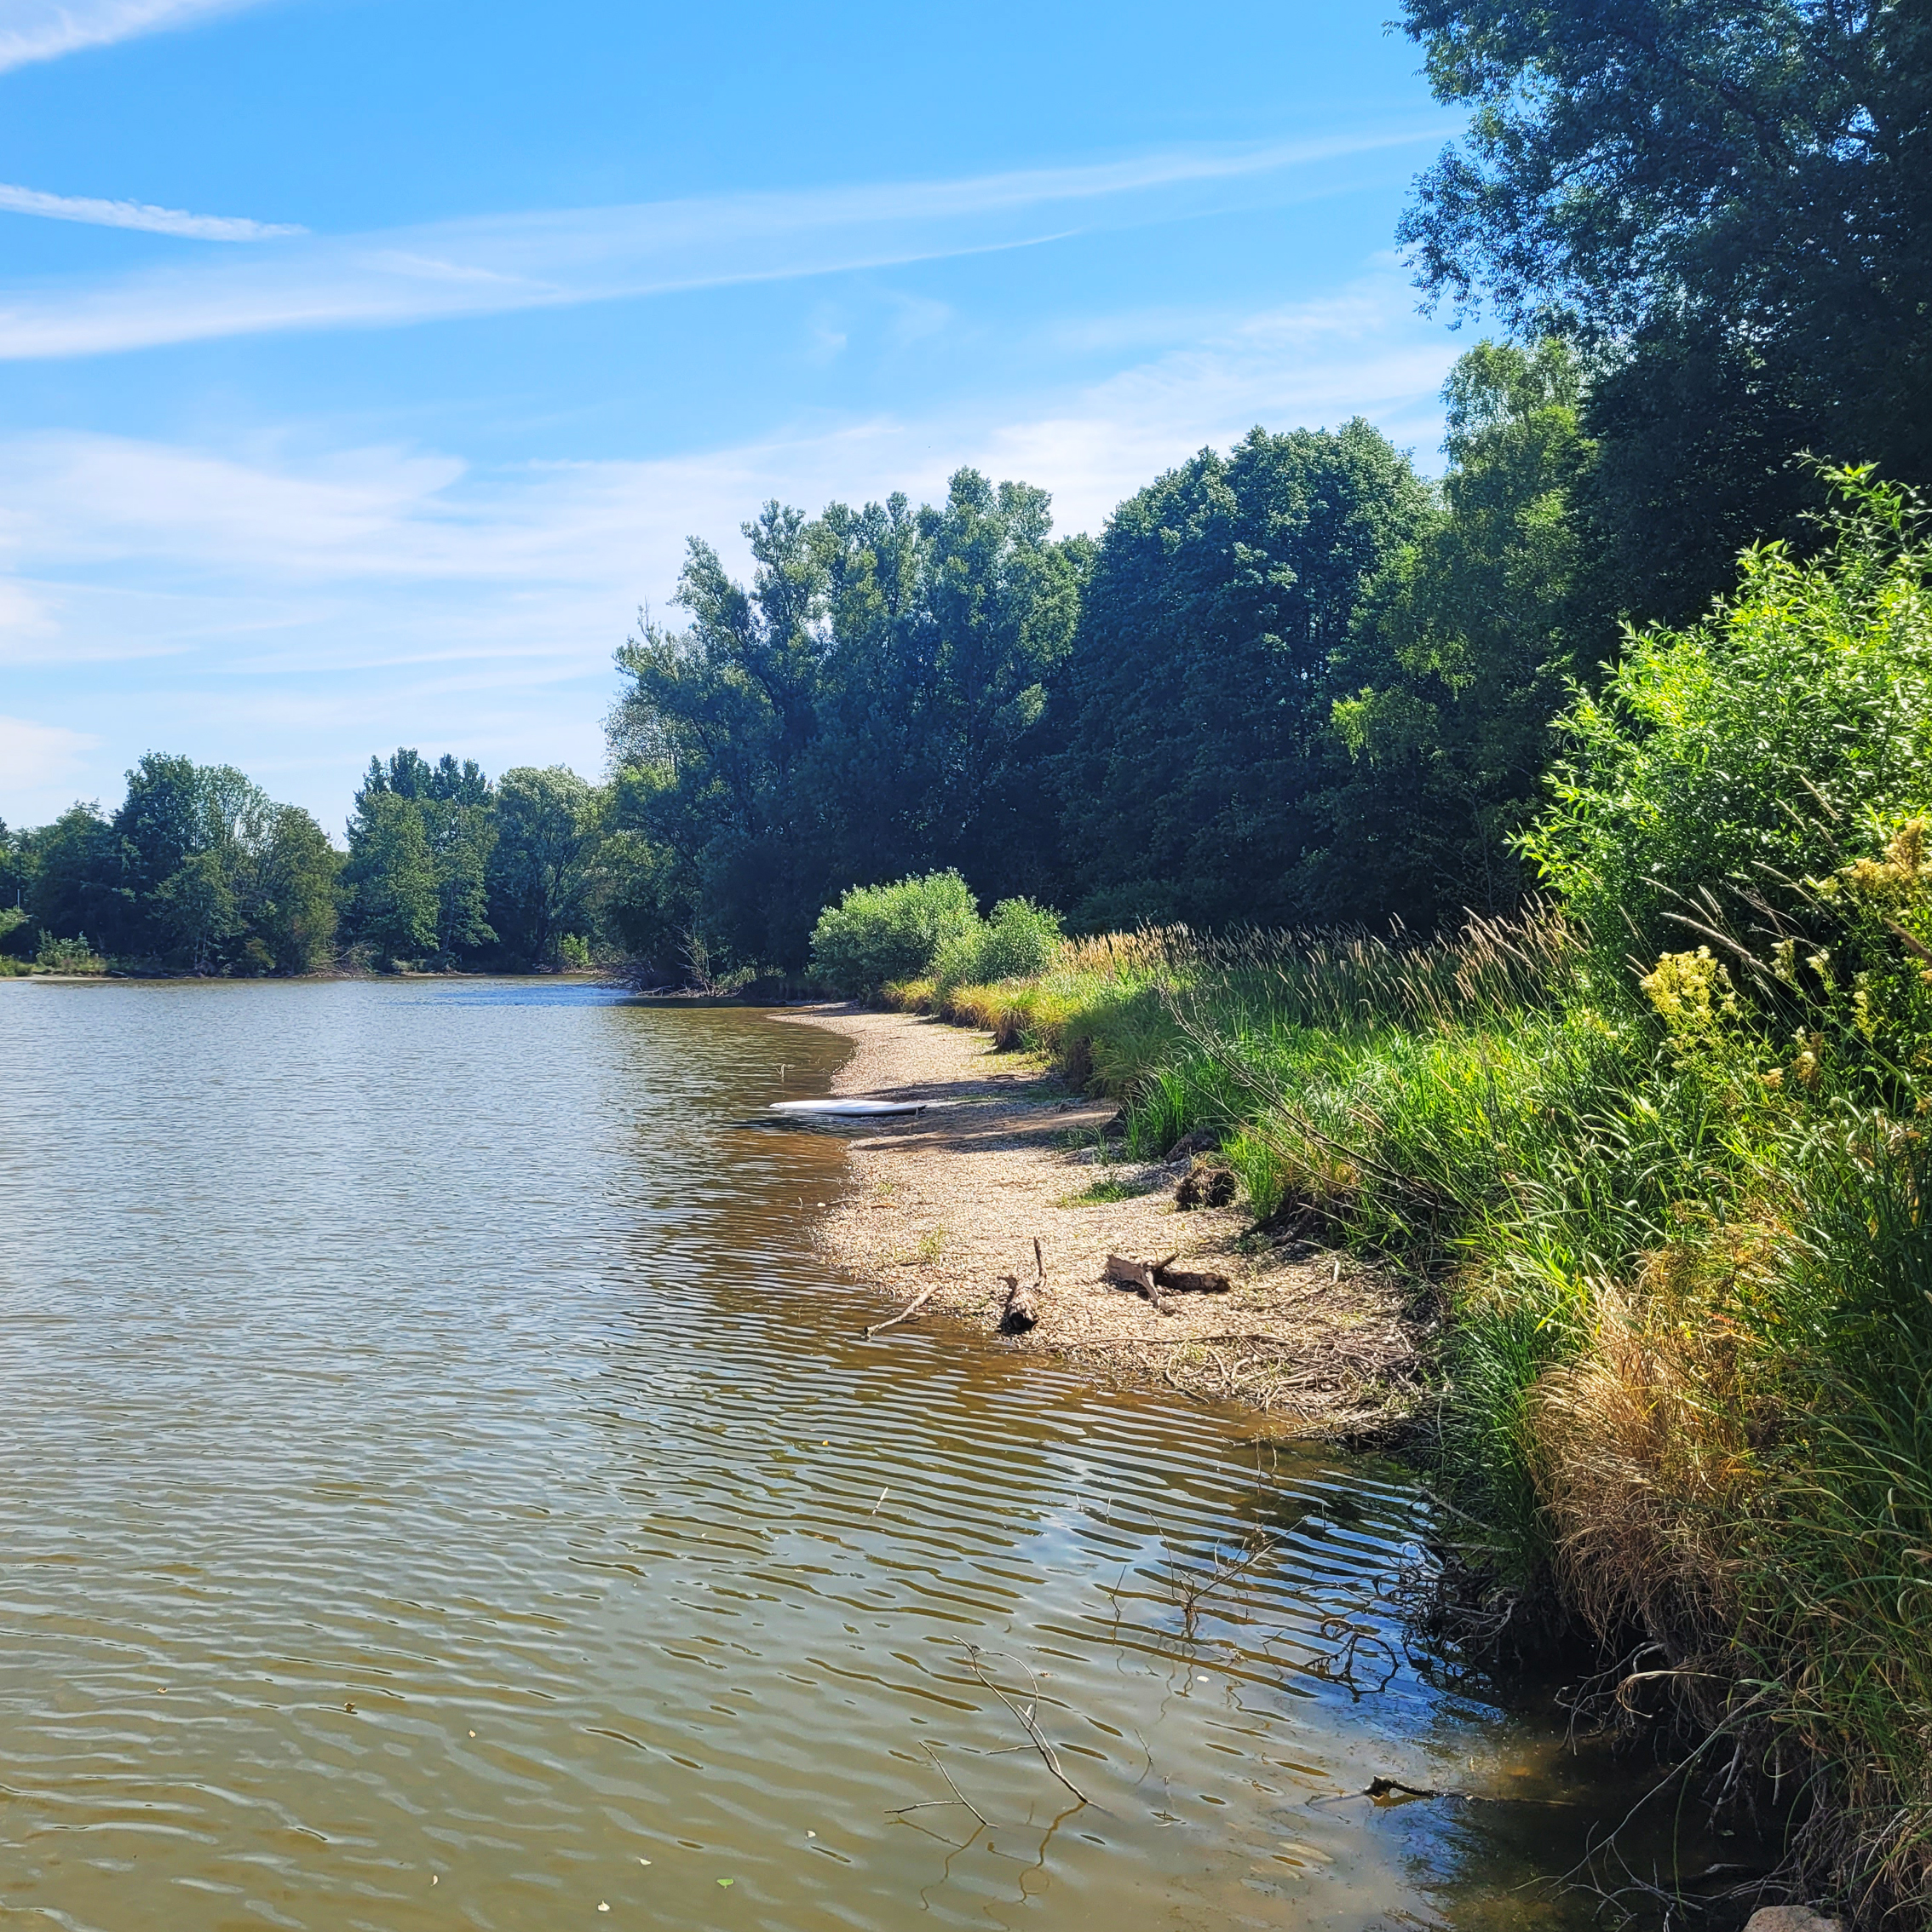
(877, 934)
(1018, 942)
(67, 956)
(1754, 750)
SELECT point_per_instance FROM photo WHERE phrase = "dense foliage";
(1724, 769)
(1676, 1219)
(877, 934)
(1197, 709)
(199, 871)
(1145, 727)
(871, 704)
(1732, 205)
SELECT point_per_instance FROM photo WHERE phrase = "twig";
(1182, 1341)
(958, 1796)
(905, 1313)
(1027, 1719)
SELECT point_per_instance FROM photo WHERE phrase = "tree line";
(1296, 684)
(199, 870)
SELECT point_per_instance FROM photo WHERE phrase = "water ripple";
(442, 1490)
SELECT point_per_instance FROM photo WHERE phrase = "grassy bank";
(1690, 1306)
(1657, 1150)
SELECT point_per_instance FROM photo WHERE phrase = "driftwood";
(1125, 1272)
(1155, 1279)
(1023, 1308)
(905, 1313)
(1193, 1282)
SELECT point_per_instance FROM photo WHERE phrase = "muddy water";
(442, 1490)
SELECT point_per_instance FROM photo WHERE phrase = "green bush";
(67, 956)
(877, 934)
(1754, 750)
(1018, 942)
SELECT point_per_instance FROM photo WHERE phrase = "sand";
(952, 1200)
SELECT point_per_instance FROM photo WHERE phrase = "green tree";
(196, 907)
(162, 822)
(1760, 749)
(451, 807)
(187, 845)
(1198, 702)
(392, 874)
(1731, 201)
(875, 699)
(295, 909)
(15, 927)
(1462, 652)
(548, 828)
(199, 870)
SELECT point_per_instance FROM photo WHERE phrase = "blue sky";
(365, 364)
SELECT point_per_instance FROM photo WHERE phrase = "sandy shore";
(952, 1200)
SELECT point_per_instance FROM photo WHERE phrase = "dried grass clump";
(1002, 1010)
(1644, 1448)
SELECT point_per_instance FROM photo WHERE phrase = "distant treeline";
(199, 870)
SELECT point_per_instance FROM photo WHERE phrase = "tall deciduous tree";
(873, 700)
(392, 873)
(1463, 648)
(1199, 700)
(420, 840)
(548, 834)
(293, 908)
(1734, 203)
(73, 875)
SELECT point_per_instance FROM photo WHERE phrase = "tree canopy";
(1197, 709)
(873, 700)
(1730, 206)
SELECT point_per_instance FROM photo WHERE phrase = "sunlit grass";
(1688, 1348)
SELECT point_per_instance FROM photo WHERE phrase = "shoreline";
(949, 1202)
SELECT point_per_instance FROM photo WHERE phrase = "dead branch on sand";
(1022, 1309)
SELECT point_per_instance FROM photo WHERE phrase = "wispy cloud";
(492, 264)
(292, 614)
(141, 215)
(44, 29)
(39, 756)
(187, 518)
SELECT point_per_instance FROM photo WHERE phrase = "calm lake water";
(443, 1490)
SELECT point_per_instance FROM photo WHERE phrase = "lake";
(444, 1488)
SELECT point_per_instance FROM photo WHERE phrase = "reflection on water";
(443, 1491)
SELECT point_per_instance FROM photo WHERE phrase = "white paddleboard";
(848, 1108)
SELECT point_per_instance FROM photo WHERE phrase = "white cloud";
(44, 29)
(292, 615)
(140, 214)
(491, 264)
(37, 757)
